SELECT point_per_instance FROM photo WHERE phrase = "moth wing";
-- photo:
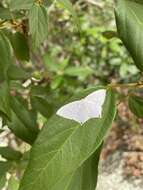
(73, 111)
(97, 98)
(93, 110)
(84, 109)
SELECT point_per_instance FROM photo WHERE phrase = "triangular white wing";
(92, 110)
(97, 97)
(73, 110)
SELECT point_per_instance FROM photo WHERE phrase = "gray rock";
(111, 175)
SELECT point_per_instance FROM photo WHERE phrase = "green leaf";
(56, 82)
(5, 99)
(46, 93)
(40, 91)
(50, 63)
(129, 19)
(16, 73)
(5, 56)
(2, 181)
(20, 130)
(38, 24)
(81, 72)
(43, 101)
(10, 154)
(85, 177)
(68, 5)
(20, 46)
(5, 13)
(4, 167)
(64, 145)
(20, 4)
(136, 105)
(138, 1)
(24, 115)
(43, 106)
(13, 184)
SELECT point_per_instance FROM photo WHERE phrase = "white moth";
(84, 109)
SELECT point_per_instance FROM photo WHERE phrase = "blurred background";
(69, 61)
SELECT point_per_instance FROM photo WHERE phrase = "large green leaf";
(38, 24)
(85, 177)
(136, 105)
(129, 18)
(20, 4)
(5, 56)
(64, 145)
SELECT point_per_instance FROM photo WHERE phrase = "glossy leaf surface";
(64, 145)
(38, 24)
(20, 4)
(136, 105)
(129, 18)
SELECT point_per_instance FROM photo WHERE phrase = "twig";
(129, 85)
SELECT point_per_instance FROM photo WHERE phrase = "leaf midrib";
(104, 121)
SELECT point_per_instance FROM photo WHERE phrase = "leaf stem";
(129, 85)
